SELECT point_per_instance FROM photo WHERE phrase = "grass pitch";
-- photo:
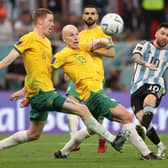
(39, 154)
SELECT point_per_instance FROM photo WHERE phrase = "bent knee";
(83, 110)
(126, 118)
(33, 136)
(121, 114)
(83, 107)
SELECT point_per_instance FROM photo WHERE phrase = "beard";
(161, 44)
(89, 22)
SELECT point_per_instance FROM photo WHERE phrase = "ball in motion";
(112, 24)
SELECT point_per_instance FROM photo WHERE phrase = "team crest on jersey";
(19, 42)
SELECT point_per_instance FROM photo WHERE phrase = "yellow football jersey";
(85, 38)
(79, 66)
(37, 55)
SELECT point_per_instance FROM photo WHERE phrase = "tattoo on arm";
(138, 59)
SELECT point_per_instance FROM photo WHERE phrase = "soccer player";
(35, 49)
(151, 61)
(90, 32)
(78, 64)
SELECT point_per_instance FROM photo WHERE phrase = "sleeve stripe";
(111, 45)
(52, 66)
(17, 50)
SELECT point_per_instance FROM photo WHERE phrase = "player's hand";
(151, 66)
(17, 95)
(98, 43)
(24, 102)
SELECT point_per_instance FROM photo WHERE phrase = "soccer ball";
(112, 24)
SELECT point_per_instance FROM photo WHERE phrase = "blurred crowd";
(141, 18)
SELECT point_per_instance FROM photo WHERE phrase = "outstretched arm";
(105, 52)
(139, 60)
(9, 59)
(102, 47)
(19, 94)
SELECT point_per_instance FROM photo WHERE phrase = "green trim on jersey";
(71, 90)
(17, 50)
(108, 46)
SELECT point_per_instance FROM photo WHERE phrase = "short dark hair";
(163, 24)
(40, 13)
(89, 6)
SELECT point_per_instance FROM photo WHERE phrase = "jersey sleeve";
(140, 48)
(58, 61)
(23, 44)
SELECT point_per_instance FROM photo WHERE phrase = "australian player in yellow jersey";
(91, 32)
(35, 49)
(78, 64)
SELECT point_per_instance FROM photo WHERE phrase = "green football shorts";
(100, 105)
(44, 102)
(71, 90)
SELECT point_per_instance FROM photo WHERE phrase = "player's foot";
(77, 148)
(102, 146)
(141, 131)
(119, 141)
(59, 155)
(161, 150)
(150, 156)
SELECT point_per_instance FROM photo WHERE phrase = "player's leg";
(149, 104)
(153, 96)
(137, 103)
(137, 99)
(122, 115)
(102, 105)
(92, 124)
(134, 138)
(73, 107)
(154, 137)
(102, 144)
(73, 119)
(145, 119)
(151, 134)
(73, 127)
(143, 104)
(33, 133)
(72, 124)
(76, 140)
(38, 116)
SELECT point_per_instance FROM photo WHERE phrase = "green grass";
(39, 154)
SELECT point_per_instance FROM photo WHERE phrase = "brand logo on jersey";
(139, 48)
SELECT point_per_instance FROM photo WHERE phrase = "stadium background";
(15, 20)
